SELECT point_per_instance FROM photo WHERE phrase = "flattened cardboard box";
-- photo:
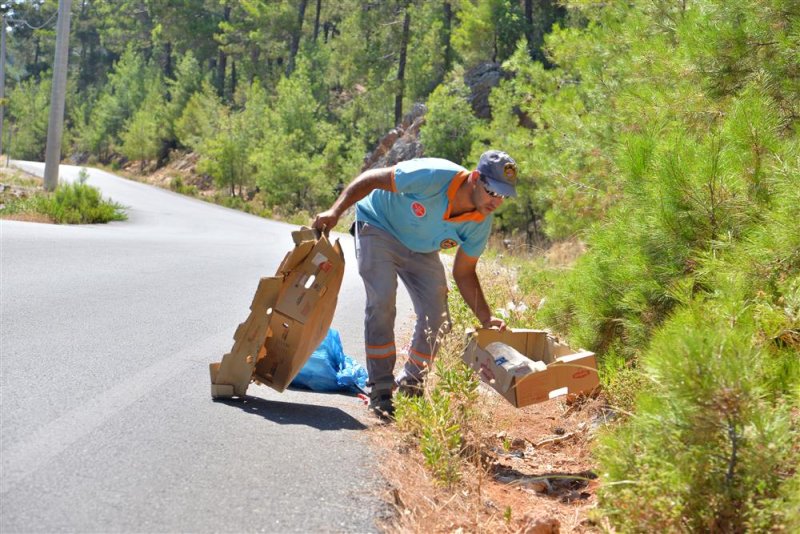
(289, 317)
(567, 371)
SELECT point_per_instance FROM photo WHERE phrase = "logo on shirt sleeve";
(448, 243)
(418, 209)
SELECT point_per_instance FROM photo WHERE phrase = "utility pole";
(3, 11)
(55, 126)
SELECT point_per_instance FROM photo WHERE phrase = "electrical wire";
(26, 23)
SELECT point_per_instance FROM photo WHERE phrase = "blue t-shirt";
(417, 211)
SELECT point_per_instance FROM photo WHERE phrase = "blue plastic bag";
(329, 369)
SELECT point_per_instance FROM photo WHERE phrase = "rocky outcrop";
(481, 79)
(401, 143)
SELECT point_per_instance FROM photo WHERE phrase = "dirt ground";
(536, 476)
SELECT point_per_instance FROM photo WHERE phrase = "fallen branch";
(554, 439)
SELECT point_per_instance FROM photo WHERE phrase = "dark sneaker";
(380, 403)
(409, 386)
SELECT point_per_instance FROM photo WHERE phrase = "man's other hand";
(495, 323)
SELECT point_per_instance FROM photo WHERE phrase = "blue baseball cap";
(499, 172)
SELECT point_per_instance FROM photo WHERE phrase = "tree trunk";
(222, 62)
(529, 32)
(316, 20)
(168, 60)
(222, 66)
(295, 44)
(233, 78)
(446, 46)
(546, 15)
(401, 68)
(255, 53)
(83, 65)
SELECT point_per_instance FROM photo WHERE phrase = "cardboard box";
(523, 382)
(289, 317)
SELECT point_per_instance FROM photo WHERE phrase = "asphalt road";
(107, 424)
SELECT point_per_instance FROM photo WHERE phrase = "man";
(404, 216)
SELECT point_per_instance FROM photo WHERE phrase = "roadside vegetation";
(657, 140)
(690, 288)
(23, 197)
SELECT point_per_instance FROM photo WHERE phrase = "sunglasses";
(485, 185)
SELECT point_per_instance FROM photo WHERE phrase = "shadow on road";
(292, 413)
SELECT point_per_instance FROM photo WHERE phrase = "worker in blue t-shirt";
(404, 215)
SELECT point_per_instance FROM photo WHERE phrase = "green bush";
(449, 122)
(712, 445)
(177, 184)
(79, 203)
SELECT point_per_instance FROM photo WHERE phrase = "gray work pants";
(381, 259)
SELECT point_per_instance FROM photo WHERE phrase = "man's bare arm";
(361, 186)
(466, 278)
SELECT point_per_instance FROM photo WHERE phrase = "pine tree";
(28, 109)
(143, 134)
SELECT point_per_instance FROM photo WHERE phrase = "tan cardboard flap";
(236, 367)
(576, 373)
(532, 343)
(310, 280)
(294, 258)
(304, 240)
(275, 365)
(305, 234)
(556, 348)
(266, 294)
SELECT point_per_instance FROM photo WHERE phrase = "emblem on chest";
(417, 209)
(447, 243)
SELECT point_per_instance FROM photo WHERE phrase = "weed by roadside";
(179, 186)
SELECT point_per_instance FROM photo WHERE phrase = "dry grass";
(16, 185)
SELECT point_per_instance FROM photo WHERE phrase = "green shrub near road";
(79, 203)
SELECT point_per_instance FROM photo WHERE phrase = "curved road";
(106, 333)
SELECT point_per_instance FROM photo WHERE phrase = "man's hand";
(495, 323)
(325, 221)
(364, 184)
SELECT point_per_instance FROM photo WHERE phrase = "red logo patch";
(580, 374)
(448, 243)
(418, 209)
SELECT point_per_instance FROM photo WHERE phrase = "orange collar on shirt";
(458, 179)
